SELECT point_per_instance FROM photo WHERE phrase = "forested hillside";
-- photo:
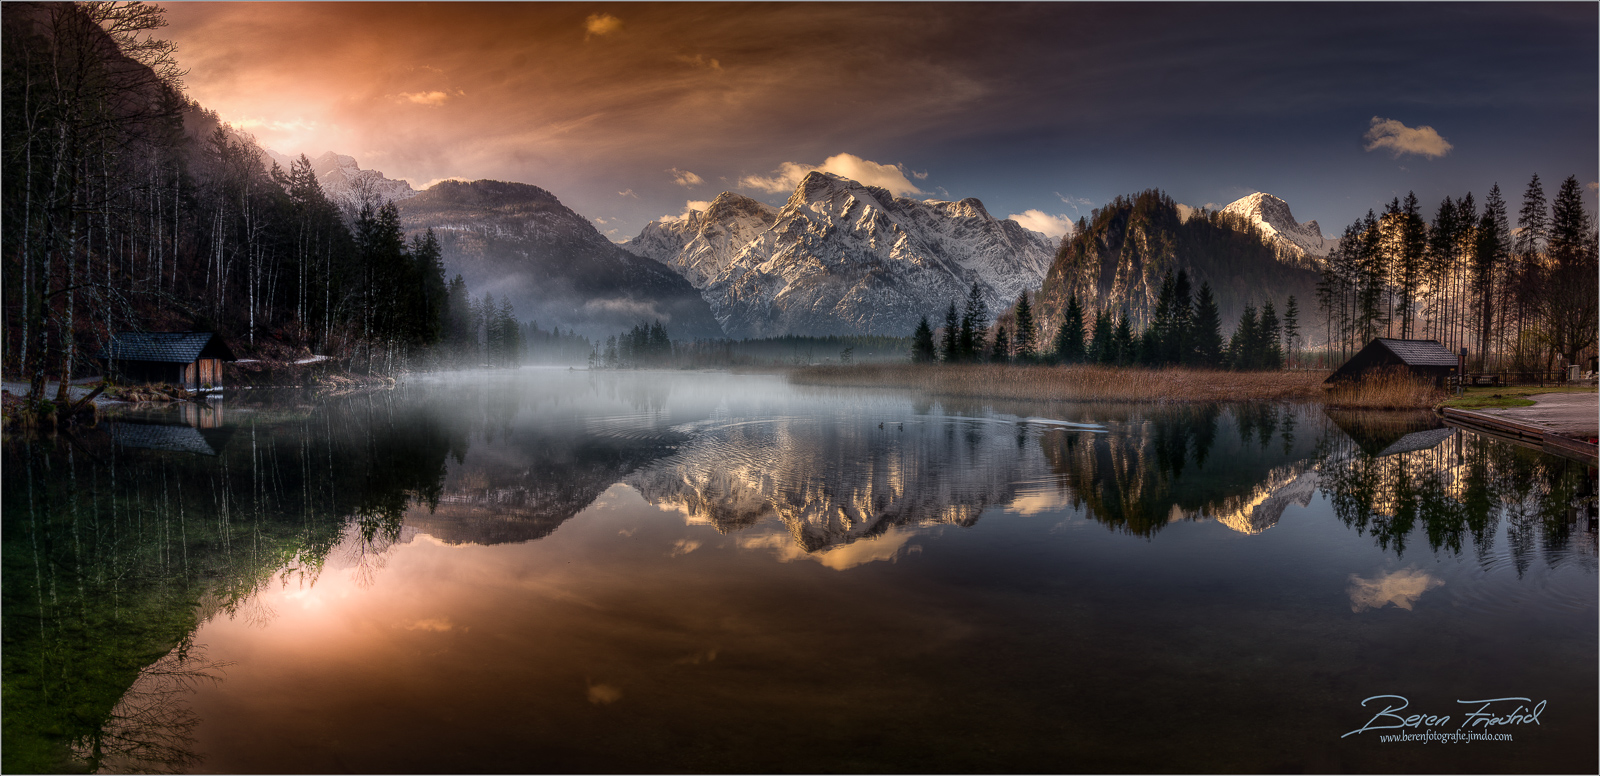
(129, 206)
(1118, 257)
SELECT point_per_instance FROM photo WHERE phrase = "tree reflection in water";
(1389, 473)
(117, 546)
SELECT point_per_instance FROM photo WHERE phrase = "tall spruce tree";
(922, 348)
(1491, 253)
(1269, 353)
(952, 335)
(1024, 345)
(1181, 323)
(1069, 339)
(1206, 348)
(1102, 350)
(1123, 342)
(974, 321)
(1570, 299)
(1291, 330)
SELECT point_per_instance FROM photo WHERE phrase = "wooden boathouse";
(1426, 359)
(192, 359)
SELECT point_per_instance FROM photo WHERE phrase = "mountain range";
(843, 258)
(838, 257)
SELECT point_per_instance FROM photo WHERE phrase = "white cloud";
(1401, 588)
(1044, 223)
(601, 24)
(430, 99)
(684, 546)
(1074, 202)
(685, 178)
(691, 206)
(1401, 139)
(599, 220)
(627, 193)
(864, 171)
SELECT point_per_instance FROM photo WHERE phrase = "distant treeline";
(1514, 298)
(1185, 329)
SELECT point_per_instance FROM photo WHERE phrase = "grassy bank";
(1512, 396)
(1073, 383)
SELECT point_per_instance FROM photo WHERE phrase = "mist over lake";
(558, 570)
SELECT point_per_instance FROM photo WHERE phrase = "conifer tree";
(1181, 323)
(1570, 299)
(1000, 352)
(1242, 349)
(1269, 353)
(1024, 344)
(974, 321)
(1206, 350)
(922, 349)
(1151, 352)
(1069, 339)
(1102, 350)
(1123, 342)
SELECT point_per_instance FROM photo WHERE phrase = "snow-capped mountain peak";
(843, 258)
(1301, 241)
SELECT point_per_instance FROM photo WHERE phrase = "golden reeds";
(1384, 389)
(1073, 383)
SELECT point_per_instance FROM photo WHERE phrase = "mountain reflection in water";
(123, 542)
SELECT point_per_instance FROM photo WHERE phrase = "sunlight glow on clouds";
(601, 24)
(431, 99)
(692, 206)
(1044, 223)
(685, 178)
(863, 171)
(1401, 139)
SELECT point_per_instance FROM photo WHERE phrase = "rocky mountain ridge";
(843, 258)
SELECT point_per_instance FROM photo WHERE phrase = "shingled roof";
(1419, 352)
(177, 347)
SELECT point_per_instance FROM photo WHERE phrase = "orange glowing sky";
(1054, 107)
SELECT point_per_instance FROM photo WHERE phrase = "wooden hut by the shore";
(192, 359)
(1426, 359)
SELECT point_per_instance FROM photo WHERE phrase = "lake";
(544, 570)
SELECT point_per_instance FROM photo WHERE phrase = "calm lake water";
(552, 570)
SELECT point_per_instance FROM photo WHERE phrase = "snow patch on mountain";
(700, 244)
(1301, 244)
(843, 258)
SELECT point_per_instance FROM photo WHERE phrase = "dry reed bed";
(1384, 390)
(1073, 383)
